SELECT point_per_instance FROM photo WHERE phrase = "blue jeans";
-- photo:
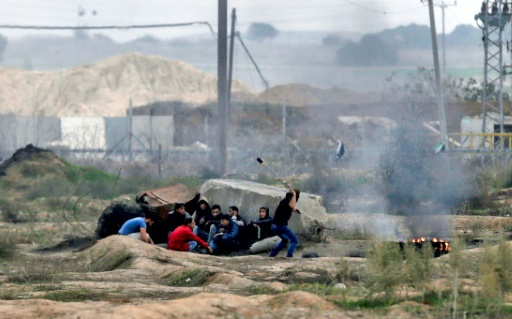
(224, 245)
(192, 244)
(207, 237)
(286, 236)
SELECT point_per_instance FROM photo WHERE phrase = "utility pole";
(222, 94)
(231, 56)
(130, 132)
(443, 6)
(492, 19)
(283, 129)
(439, 87)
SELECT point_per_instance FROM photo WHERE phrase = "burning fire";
(419, 240)
(439, 245)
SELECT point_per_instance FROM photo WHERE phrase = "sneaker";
(201, 250)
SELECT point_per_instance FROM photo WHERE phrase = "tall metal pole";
(130, 132)
(500, 41)
(231, 55)
(485, 39)
(443, 6)
(439, 87)
(492, 25)
(222, 94)
(283, 129)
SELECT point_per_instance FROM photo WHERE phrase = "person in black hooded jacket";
(203, 214)
(211, 225)
(259, 228)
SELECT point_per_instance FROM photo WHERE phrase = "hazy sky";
(323, 15)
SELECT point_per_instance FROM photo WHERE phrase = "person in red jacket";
(183, 239)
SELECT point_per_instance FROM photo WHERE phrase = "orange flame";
(441, 244)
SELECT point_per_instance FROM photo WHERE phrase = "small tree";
(370, 51)
(261, 31)
(409, 169)
(495, 276)
(385, 270)
(3, 45)
(419, 267)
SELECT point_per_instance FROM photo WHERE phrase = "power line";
(108, 27)
(382, 12)
(265, 82)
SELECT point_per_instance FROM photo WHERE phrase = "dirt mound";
(31, 154)
(76, 243)
(105, 87)
(304, 95)
(205, 305)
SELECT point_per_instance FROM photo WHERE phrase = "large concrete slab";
(250, 196)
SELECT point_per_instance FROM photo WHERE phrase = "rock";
(340, 286)
(250, 196)
(264, 245)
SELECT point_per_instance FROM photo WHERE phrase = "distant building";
(87, 134)
(471, 129)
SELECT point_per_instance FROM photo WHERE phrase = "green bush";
(10, 210)
(50, 187)
(419, 266)
(495, 276)
(7, 245)
(386, 273)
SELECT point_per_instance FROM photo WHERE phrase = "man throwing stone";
(280, 224)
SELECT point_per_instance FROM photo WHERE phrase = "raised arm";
(293, 201)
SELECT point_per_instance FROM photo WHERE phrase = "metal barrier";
(481, 142)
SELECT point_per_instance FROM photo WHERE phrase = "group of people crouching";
(209, 230)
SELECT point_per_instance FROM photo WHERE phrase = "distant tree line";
(3, 45)
(381, 49)
(261, 31)
(370, 51)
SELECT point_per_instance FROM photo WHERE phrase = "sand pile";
(105, 87)
(203, 306)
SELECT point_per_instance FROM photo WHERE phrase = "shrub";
(10, 211)
(495, 276)
(7, 245)
(385, 270)
(50, 187)
(419, 266)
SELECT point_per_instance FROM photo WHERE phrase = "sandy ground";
(119, 277)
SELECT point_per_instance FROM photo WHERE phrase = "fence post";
(160, 161)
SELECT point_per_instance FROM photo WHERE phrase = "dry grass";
(480, 223)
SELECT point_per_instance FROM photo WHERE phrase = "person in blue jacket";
(226, 238)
